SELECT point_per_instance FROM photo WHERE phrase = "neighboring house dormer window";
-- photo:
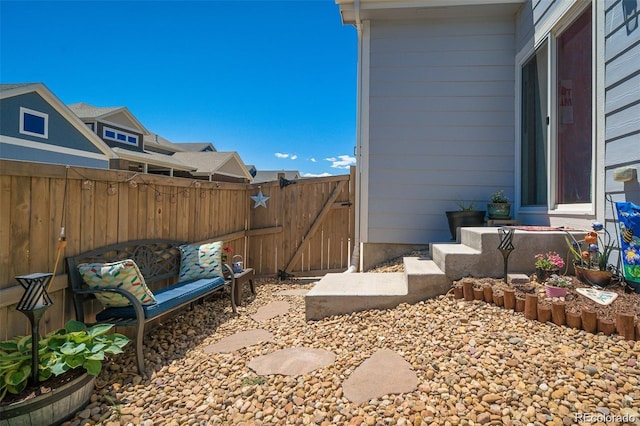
(119, 136)
(34, 123)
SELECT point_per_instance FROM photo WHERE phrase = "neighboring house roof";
(120, 116)
(11, 90)
(197, 147)
(153, 140)
(210, 163)
(155, 159)
(271, 175)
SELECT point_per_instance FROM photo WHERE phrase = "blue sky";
(273, 80)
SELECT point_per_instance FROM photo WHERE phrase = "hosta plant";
(73, 346)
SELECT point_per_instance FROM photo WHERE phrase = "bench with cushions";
(117, 275)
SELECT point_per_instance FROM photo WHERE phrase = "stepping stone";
(292, 361)
(239, 340)
(271, 310)
(385, 372)
(294, 292)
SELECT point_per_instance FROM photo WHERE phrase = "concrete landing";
(341, 293)
(337, 294)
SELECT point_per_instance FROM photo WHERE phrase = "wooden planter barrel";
(53, 407)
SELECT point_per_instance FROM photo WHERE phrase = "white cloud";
(283, 155)
(325, 174)
(313, 160)
(342, 161)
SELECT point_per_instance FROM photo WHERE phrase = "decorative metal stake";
(33, 303)
(506, 245)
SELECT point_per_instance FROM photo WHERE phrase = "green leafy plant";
(594, 250)
(549, 261)
(499, 197)
(70, 347)
(559, 281)
(465, 207)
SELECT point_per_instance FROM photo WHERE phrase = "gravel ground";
(476, 364)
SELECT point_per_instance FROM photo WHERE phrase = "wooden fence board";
(20, 208)
(122, 217)
(5, 231)
(101, 207)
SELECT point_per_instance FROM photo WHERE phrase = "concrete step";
(343, 293)
(477, 254)
(424, 278)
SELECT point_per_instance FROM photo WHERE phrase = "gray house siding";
(441, 109)
(21, 153)
(533, 15)
(622, 98)
(61, 132)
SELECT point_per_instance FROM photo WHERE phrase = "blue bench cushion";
(167, 299)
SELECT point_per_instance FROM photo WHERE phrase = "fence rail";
(306, 228)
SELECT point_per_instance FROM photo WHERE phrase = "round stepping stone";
(242, 339)
(385, 372)
(294, 292)
(292, 361)
(271, 310)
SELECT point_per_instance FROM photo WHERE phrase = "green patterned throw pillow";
(204, 261)
(123, 274)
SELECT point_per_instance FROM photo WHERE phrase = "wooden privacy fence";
(307, 227)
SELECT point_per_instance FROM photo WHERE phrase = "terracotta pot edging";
(587, 319)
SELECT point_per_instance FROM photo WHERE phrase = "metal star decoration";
(260, 199)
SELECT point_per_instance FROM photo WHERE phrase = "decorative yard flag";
(629, 220)
(260, 199)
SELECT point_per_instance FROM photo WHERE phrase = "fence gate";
(306, 229)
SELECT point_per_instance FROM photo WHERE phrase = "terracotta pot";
(593, 276)
(553, 291)
(574, 319)
(488, 294)
(458, 292)
(509, 298)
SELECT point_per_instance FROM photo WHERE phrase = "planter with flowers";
(547, 265)
(557, 286)
(499, 207)
(591, 256)
(69, 359)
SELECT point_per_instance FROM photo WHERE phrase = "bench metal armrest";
(137, 306)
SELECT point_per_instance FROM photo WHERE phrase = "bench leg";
(139, 347)
(233, 296)
(253, 289)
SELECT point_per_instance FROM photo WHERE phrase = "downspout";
(355, 256)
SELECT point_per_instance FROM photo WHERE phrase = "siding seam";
(623, 52)
(622, 80)
(626, 135)
(622, 108)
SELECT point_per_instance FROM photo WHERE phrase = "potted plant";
(557, 286)
(591, 256)
(499, 207)
(63, 355)
(548, 264)
(465, 216)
